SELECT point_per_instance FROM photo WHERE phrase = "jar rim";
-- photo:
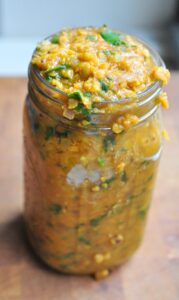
(142, 97)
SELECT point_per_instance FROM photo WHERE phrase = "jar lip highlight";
(141, 98)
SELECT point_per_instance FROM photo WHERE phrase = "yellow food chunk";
(84, 160)
(117, 128)
(128, 121)
(101, 274)
(160, 73)
(116, 239)
(91, 57)
(87, 102)
(162, 100)
(92, 85)
(99, 258)
(103, 179)
(67, 73)
(72, 103)
(95, 188)
(104, 185)
(120, 167)
(85, 69)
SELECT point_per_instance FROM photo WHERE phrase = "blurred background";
(23, 23)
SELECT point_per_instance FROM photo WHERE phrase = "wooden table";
(152, 273)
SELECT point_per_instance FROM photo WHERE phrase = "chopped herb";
(76, 95)
(87, 94)
(49, 78)
(63, 134)
(143, 212)
(68, 255)
(55, 39)
(83, 240)
(86, 112)
(124, 176)
(104, 86)
(57, 68)
(113, 38)
(109, 78)
(109, 180)
(91, 38)
(132, 197)
(108, 141)
(150, 178)
(97, 220)
(50, 132)
(55, 208)
(101, 161)
(145, 162)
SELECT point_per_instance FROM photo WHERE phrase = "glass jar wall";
(87, 190)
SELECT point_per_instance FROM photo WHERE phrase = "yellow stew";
(90, 156)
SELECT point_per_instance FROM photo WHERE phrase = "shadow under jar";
(87, 190)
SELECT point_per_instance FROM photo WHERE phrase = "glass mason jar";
(88, 190)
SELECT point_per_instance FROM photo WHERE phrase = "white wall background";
(24, 22)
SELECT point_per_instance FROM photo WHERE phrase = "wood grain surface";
(151, 274)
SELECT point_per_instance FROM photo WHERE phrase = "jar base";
(98, 274)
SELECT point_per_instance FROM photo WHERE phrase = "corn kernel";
(72, 103)
(160, 73)
(116, 239)
(95, 188)
(101, 274)
(120, 167)
(116, 128)
(162, 100)
(103, 179)
(99, 258)
(87, 102)
(84, 160)
(104, 185)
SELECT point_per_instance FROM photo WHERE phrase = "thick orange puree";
(81, 58)
(88, 186)
(93, 65)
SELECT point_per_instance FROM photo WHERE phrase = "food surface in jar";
(88, 187)
(96, 65)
